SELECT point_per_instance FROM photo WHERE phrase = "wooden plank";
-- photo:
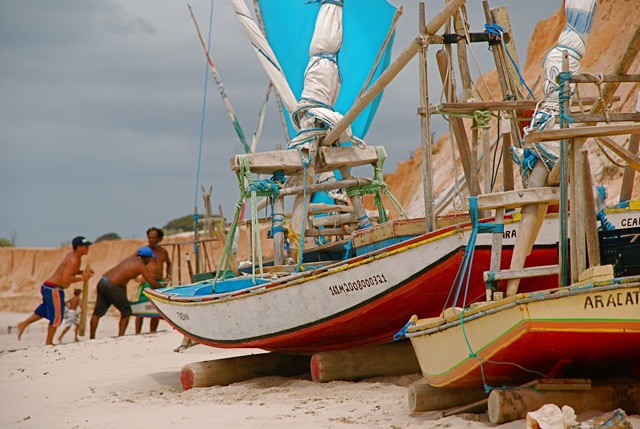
(517, 198)
(632, 159)
(591, 78)
(459, 132)
(501, 17)
(495, 106)
(562, 384)
(626, 189)
(289, 160)
(84, 305)
(594, 131)
(317, 187)
(601, 117)
(267, 162)
(320, 208)
(544, 270)
(469, 108)
(334, 158)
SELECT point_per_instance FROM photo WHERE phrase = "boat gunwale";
(427, 328)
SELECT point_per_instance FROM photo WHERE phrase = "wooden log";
(469, 108)
(289, 160)
(631, 158)
(501, 17)
(601, 117)
(507, 162)
(84, 305)
(506, 405)
(425, 127)
(590, 221)
(595, 131)
(459, 133)
(365, 362)
(577, 212)
(629, 173)
(543, 270)
(424, 397)
(517, 198)
(591, 78)
(221, 372)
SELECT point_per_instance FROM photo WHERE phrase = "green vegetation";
(108, 237)
(184, 224)
(5, 242)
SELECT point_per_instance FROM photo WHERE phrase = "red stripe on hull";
(552, 349)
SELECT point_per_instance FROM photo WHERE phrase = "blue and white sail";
(326, 50)
(579, 14)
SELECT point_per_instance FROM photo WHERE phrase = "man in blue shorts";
(52, 290)
(112, 288)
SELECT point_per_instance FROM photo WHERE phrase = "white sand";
(133, 381)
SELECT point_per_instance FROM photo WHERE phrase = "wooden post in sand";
(506, 405)
(365, 362)
(84, 304)
(424, 397)
(221, 372)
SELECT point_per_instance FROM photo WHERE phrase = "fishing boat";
(589, 331)
(389, 271)
(589, 326)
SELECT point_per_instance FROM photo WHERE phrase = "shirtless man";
(52, 290)
(112, 288)
(72, 315)
(156, 268)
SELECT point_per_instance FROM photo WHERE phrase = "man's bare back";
(129, 269)
(156, 266)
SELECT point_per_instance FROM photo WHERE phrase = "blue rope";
(498, 31)
(463, 276)
(564, 95)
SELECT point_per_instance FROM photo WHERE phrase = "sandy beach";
(133, 381)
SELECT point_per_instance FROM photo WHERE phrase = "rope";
(564, 95)
(497, 30)
(462, 278)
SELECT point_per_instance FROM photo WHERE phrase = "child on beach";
(72, 315)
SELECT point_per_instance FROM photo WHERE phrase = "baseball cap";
(80, 241)
(145, 251)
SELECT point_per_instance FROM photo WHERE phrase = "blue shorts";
(52, 307)
(110, 294)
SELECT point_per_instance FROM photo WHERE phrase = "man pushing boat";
(112, 288)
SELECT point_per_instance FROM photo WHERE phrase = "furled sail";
(310, 38)
(579, 14)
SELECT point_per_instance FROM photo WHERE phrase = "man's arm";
(73, 274)
(147, 276)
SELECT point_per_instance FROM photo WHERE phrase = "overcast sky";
(101, 107)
